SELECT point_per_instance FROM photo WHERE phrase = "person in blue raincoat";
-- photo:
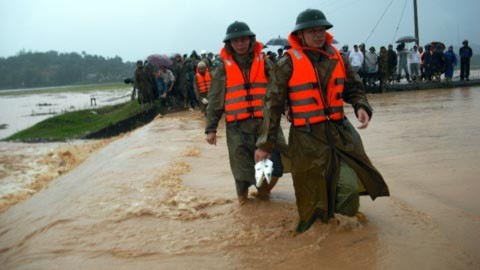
(450, 63)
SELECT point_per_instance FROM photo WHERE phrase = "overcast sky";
(135, 29)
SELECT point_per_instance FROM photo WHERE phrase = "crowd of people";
(183, 84)
(428, 63)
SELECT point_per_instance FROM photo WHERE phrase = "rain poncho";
(241, 135)
(325, 152)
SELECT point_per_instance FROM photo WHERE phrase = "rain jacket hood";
(255, 48)
(296, 43)
(317, 153)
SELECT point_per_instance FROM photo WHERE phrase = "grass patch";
(69, 88)
(79, 124)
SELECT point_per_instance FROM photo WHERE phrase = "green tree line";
(42, 69)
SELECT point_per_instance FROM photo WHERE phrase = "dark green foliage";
(40, 69)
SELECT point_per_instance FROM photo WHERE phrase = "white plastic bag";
(263, 171)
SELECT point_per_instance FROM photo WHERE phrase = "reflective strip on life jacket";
(244, 96)
(203, 81)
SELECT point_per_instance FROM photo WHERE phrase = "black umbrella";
(407, 39)
(278, 42)
(437, 43)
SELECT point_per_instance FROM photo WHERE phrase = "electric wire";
(398, 25)
(375, 27)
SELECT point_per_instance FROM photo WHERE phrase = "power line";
(379, 21)
(398, 25)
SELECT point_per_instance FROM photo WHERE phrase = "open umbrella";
(278, 41)
(159, 60)
(437, 43)
(406, 39)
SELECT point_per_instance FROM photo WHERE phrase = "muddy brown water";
(162, 198)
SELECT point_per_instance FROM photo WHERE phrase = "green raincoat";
(320, 153)
(242, 135)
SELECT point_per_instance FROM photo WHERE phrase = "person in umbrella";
(402, 62)
(329, 165)
(280, 53)
(237, 89)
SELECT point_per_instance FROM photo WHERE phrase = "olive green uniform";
(326, 158)
(241, 135)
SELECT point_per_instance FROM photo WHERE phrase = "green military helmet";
(311, 18)
(237, 29)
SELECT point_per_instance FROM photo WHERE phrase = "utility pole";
(415, 18)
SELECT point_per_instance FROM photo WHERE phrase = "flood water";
(160, 197)
(19, 112)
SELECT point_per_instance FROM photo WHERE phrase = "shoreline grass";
(78, 124)
(85, 88)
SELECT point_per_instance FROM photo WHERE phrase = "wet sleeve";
(195, 87)
(354, 91)
(216, 99)
(274, 103)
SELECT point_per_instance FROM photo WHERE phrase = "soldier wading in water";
(328, 163)
(237, 89)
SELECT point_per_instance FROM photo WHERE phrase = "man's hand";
(363, 118)
(261, 155)
(212, 138)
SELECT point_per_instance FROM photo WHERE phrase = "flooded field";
(160, 197)
(22, 111)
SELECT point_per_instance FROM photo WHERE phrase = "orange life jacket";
(203, 81)
(244, 96)
(309, 104)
